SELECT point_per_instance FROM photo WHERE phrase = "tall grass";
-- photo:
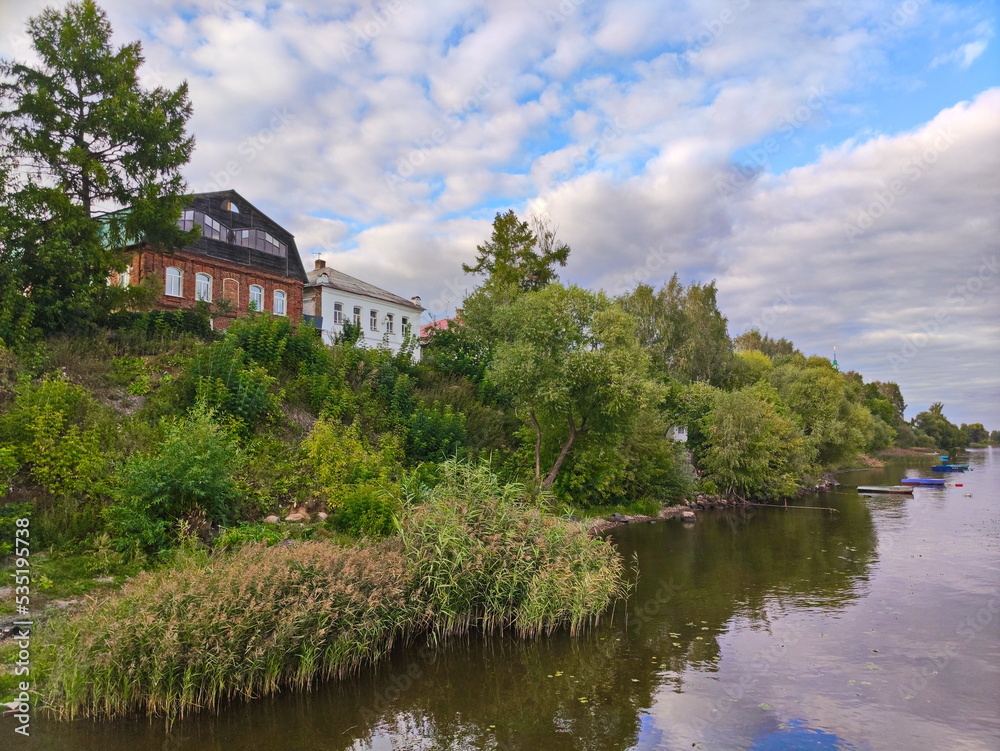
(211, 629)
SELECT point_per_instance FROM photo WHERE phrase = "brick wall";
(229, 281)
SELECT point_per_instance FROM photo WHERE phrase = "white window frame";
(256, 297)
(338, 313)
(178, 278)
(358, 312)
(125, 278)
(373, 319)
(404, 325)
(201, 279)
(390, 323)
(280, 302)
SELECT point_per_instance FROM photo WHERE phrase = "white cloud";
(387, 134)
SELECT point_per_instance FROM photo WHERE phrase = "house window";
(389, 323)
(338, 313)
(124, 278)
(256, 297)
(357, 316)
(279, 303)
(211, 228)
(173, 288)
(187, 220)
(373, 320)
(405, 322)
(203, 287)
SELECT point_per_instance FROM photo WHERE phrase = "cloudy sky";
(833, 165)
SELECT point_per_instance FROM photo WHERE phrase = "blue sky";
(833, 166)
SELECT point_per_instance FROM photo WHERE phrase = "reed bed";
(209, 630)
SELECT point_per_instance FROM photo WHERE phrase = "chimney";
(320, 263)
(415, 300)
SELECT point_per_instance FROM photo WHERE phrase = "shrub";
(434, 433)
(365, 510)
(337, 456)
(190, 471)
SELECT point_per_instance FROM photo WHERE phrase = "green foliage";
(571, 363)
(81, 115)
(754, 341)
(232, 538)
(749, 367)
(434, 433)
(188, 474)
(943, 433)
(9, 514)
(339, 456)
(519, 254)
(975, 433)
(827, 403)
(365, 511)
(752, 449)
(455, 351)
(203, 631)
(682, 330)
(223, 377)
(165, 323)
(54, 429)
(641, 463)
(81, 131)
(487, 558)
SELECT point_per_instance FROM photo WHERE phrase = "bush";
(188, 474)
(365, 511)
(337, 456)
(434, 433)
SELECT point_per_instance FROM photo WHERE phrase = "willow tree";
(571, 363)
(80, 139)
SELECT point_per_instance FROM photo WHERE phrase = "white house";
(332, 297)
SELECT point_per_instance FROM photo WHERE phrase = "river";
(874, 626)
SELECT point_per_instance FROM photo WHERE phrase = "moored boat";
(922, 481)
(950, 467)
(885, 489)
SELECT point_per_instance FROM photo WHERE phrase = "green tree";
(976, 433)
(683, 330)
(754, 448)
(834, 421)
(754, 341)
(572, 365)
(519, 254)
(940, 429)
(86, 140)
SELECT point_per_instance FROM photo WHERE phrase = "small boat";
(885, 489)
(950, 467)
(922, 481)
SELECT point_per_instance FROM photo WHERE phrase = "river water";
(874, 626)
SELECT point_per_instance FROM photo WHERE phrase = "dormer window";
(230, 206)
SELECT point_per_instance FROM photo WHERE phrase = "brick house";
(242, 257)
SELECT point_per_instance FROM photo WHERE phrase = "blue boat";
(922, 481)
(950, 467)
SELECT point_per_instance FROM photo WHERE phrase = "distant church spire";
(836, 365)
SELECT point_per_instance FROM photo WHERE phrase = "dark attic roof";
(241, 223)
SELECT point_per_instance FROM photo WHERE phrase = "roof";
(441, 324)
(346, 283)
